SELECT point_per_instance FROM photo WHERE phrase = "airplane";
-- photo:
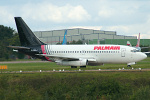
(137, 47)
(74, 55)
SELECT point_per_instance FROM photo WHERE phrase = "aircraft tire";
(82, 66)
(73, 66)
(128, 65)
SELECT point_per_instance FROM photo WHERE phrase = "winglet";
(138, 42)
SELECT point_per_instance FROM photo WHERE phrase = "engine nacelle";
(82, 62)
(95, 64)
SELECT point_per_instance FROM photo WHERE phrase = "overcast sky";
(126, 17)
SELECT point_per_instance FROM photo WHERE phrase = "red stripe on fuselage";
(44, 52)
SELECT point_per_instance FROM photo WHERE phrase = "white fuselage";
(98, 53)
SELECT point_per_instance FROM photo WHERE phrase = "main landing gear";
(73, 66)
(76, 66)
(82, 66)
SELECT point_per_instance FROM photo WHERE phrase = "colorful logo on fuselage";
(106, 47)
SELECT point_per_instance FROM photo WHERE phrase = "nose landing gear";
(128, 65)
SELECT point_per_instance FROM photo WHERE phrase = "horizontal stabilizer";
(18, 47)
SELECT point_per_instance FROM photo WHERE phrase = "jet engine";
(82, 62)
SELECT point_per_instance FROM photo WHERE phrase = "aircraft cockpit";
(135, 50)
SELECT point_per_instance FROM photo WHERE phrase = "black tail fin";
(27, 37)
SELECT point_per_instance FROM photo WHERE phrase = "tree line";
(8, 36)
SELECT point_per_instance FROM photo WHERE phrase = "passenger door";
(123, 52)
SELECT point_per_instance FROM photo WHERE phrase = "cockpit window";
(135, 50)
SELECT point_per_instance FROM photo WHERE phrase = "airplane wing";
(59, 57)
(68, 58)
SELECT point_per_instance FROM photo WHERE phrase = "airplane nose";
(139, 56)
(143, 56)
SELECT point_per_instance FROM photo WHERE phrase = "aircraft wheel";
(129, 66)
(82, 66)
(73, 66)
